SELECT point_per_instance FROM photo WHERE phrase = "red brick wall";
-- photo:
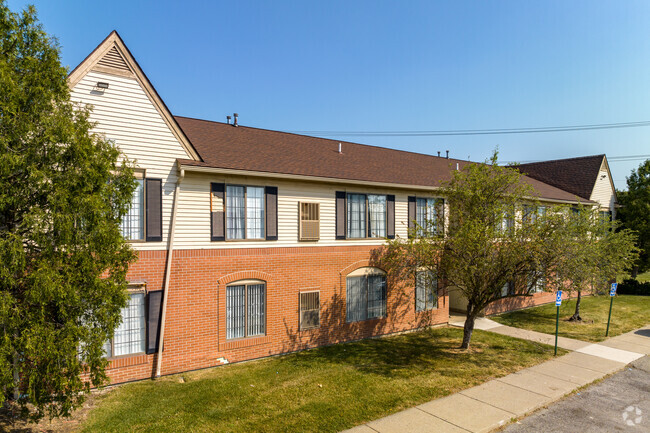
(195, 335)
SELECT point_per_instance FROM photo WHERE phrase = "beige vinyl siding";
(603, 192)
(125, 114)
(193, 221)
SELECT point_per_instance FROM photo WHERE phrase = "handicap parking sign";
(558, 298)
(612, 292)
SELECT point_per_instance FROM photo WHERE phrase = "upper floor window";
(427, 213)
(244, 212)
(366, 216)
(133, 222)
(245, 309)
(143, 221)
(365, 294)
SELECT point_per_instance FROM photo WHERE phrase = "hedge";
(633, 287)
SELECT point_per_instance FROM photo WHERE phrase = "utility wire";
(478, 131)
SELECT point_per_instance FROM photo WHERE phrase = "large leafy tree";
(635, 213)
(498, 236)
(63, 260)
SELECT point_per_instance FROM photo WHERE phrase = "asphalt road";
(620, 403)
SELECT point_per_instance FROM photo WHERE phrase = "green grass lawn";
(320, 390)
(628, 313)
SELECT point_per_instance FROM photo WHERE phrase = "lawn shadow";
(381, 356)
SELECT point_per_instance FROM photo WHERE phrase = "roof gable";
(113, 57)
(576, 175)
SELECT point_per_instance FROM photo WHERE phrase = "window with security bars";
(133, 222)
(508, 289)
(309, 310)
(244, 212)
(426, 291)
(129, 337)
(309, 221)
(366, 216)
(365, 297)
(245, 310)
(428, 215)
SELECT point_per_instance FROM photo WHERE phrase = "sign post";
(558, 302)
(612, 293)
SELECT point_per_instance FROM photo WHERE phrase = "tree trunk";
(635, 272)
(576, 315)
(468, 328)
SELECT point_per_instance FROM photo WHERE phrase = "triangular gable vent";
(113, 59)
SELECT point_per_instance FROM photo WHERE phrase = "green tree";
(498, 234)
(596, 250)
(63, 260)
(635, 213)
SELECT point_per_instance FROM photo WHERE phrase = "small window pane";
(376, 296)
(235, 321)
(235, 212)
(129, 337)
(377, 211)
(254, 213)
(133, 222)
(356, 301)
(256, 310)
(356, 216)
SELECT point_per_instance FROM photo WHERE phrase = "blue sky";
(392, 66)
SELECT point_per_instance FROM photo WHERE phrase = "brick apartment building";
(261, 241)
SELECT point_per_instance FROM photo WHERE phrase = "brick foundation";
(195, 335)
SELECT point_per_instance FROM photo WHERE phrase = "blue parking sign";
(612, 292)
(558, 298)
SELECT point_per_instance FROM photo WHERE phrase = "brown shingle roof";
(221, 145)
(576, 175)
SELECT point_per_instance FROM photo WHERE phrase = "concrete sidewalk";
(495, 403)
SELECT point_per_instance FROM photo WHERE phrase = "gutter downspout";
(168, 268)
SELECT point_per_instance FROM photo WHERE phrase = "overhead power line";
(453, 132)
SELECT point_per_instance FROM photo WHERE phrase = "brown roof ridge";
(600, 155)
(329, 139)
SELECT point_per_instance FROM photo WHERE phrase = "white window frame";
(367, 229)
(424, 221)
(365, 274)
(140, 178)
(307, 292)
(431, 289)
(246, 284)
(110, 343)
(245, 226)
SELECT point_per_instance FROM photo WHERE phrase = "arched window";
(245, 309)
(366, 294)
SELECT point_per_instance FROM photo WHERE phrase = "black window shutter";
(390, 216)
(217, 213)
(411, 214)
(153, 190)
(340, 215)
(271, 193)
(154, 309)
